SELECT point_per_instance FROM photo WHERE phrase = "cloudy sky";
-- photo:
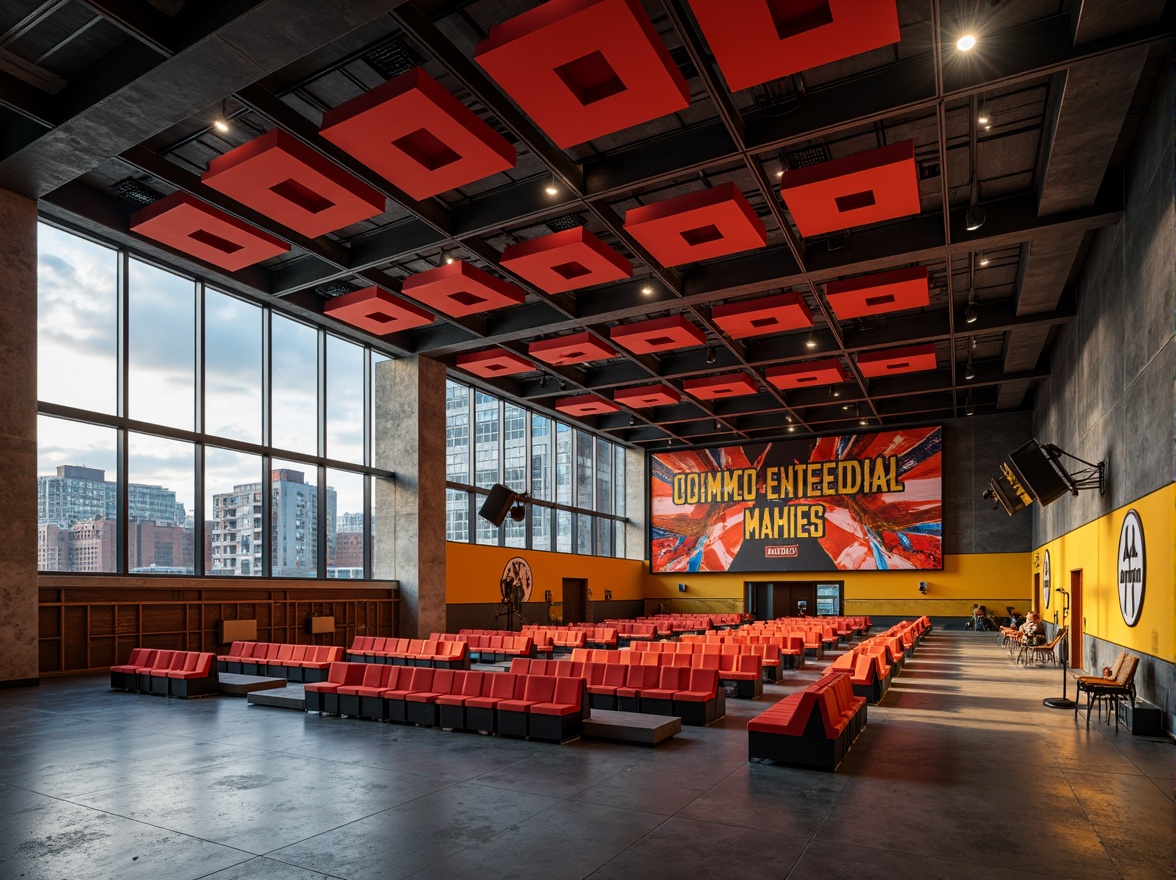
(77, 339)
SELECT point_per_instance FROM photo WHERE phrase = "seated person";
(983, 621)
(1033, 630)
(1016, 619)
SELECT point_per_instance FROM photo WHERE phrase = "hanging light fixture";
(974, 218)
(970, 313)
(969, 407)
(710, 354)
(811, 342)
(970, 370)
(221, 123)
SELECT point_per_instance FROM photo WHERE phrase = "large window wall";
(576, 480)
(184, 430)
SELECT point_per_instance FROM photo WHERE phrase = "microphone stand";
(1062, 702)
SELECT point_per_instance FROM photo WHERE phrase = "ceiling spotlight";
(969, 408)
(448, 259)
(718, 425)
(710, 354)
(982, 260)
(970, 313)
(811, 342)
(969, 370)
(974, 219)
(863, 422)
(221, 123)
(788, 419)
(542, 379)
(966, 43)
(647, 290)
(551, 189)
(845, 406)
(791, 428)
(632, 421)
(836, 392)
(982, 116)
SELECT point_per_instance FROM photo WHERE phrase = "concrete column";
(636, 488)
(18, 441)
(409, 540)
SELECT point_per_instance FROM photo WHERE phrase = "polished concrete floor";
(960, 773)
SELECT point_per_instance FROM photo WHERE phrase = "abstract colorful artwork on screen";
(846, 503)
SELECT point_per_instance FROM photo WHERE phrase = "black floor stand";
(1061, 702)
(508, 610)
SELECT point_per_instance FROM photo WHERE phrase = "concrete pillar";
(636, 488)
(18, 441)
(409, 539)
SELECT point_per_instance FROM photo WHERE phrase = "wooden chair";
(1041, 653)
(1098, 689)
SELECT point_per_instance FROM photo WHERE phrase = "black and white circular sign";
(1132, 567)
(516, 575)
(1046, 582)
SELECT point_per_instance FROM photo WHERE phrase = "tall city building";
(78, 493)
(237, 527)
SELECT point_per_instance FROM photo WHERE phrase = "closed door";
(1076, 622)
(575, 600)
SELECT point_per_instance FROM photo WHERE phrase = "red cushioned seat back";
(191, 661)
(397, 677)
(472, 686)
(499, 685)
(285, 652)
(569, 691)
(147, 658)
(337, 674)
(520, 665)
(614, 675)
(673, 678)
(162, 660)
(495, 643)
(354, 673)
(429, 649)
(682, 661)
(539, 689)
(204, 666)
(707, 661)
(271, 650)
(442, 681)
(713, 650)
(749, 663)
(421, 679)
(371, 675)
(562, 668)
(136, 657)
(385, 676)
(830, 714)
(863, 669)
(298, 654)
(703, 680)
(234, 650)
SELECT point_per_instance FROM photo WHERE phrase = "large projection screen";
(846, 503)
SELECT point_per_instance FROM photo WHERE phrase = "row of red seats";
(692, 693)
(550, 640)
(813, 727)
(180, 674)
(870, 668)
(492, 646)
(731, 666)
(541, 707)
(291, 662)
(595, 635)
(410, 652)
(779, 651)
(631, 630)
(746, 670)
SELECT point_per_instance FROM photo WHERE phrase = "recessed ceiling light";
(982, 116)
(791, 428)
(966, 43)
(647, 290)
(551, 189)
(811, 342)
(448, 258)
(983, 261)
(863, 421)
(221, 126)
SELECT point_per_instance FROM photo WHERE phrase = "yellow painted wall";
(473, 572)
(1093, 548)
(992, 579)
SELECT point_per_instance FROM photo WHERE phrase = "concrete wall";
(973, 448)
(18, 441)
(1111, 395)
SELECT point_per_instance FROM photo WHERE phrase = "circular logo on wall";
(1046, 582)
(1132, 568)
(516, 579)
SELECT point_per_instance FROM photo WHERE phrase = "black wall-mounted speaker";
(1006, 495)
(1038, 473)
(497, 504)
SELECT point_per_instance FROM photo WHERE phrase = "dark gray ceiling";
(95, 91)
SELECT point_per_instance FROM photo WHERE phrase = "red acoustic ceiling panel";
(585, 405)
(660, 334)
(565, 261)
(584, 68)
(187, 224)
(418, 136)
(574, 349)
(758, 40)
(461, 289)
(826, 372)
(888, 362)
(864, 188)
(697, 226)
(876, 294)
(769, 314)
(493, 362)
(286, 180)
(713, 387)
(644, 396)
(376, 311)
